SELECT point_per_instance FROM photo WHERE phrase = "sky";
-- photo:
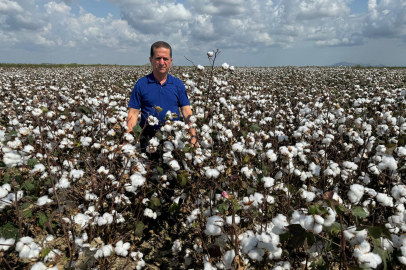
(247, 32)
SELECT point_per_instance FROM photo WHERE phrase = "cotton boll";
(104, 251)
(384, 200)
(212, 173)
(43, 200)
(39, 266)
(213, 225)
(5, 244)
(27, 248)
(122, 248)
(256, 254)
(174, 165)
(149, 213)
(52, 255)
(268, 182)
(177, 246)
(356, 192)
(229, 219)
(229, 258)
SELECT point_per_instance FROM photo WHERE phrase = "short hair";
(160, 44)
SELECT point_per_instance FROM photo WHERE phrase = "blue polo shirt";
(148, 93)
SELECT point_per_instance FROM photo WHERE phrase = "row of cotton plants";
(294, 168)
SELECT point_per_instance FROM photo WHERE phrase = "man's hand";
(132, 119)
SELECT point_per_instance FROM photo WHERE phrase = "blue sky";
(248, 32)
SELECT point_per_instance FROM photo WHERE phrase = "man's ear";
(150, 60)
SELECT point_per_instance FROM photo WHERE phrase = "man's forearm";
(132, 119)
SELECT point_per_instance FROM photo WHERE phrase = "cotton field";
(296, 168)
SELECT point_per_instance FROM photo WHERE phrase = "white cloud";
(53, 7)
(7, 6)
(314, 9)
(386, 19)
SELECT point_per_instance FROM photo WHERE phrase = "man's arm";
(132, 119)
(187, 113)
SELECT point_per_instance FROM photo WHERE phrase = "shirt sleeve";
(183, 98)
(135, 98)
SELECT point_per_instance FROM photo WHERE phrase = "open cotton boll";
(82, 220)
(388, 162)
(52, 255)
(280, 222)
(137, 256)
(107, 218)
(12, 159)
(102, 170)
(307, 195)
(174, 165)
(122, 248)
(228, 259)
(43, 200)
(27, 248)
(384, 199)
(193, 216)
(398, 192)
(282, 266)
(149, 213)
(38, 168)
(369, 259)
(213, 225)
(229, 219)
(104, 251)
(356, 192)
(4, 190)
(268, 181)
(177, 246)
(256, 254)
(212, 173)
(5, 244)
(42, 266)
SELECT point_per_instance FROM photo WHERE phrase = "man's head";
(160, 58)
(160, 44)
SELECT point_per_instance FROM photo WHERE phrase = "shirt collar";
(151, 79)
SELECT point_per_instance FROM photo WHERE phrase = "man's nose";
(161, 61)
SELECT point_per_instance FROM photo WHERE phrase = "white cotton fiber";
(213, 226)
(43, 200)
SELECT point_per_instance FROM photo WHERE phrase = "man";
(158, 89)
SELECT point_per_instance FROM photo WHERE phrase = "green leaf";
(335, 228)
(284, 237)
(384, 255)
(255, 128)
(6, 178)
(32, 162)
(298, 236)
(154, 203)
(264, 169)
(354, 267)
(310, 239)
(223, 208)
(186, 149)
(174, 208)
(137, 129)
(28, 185)
(183, 177)
(12, 133)
(244, 133)
(159, 136)
(84, 109)
(250, 190)
(340, 209)
(18, 178)
(378, 232)
(359, 212)
(139, 227)
(8, 231)
(45, 252)
(42, 218)
(236, 206)
(160, 170)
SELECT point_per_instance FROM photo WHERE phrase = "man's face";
(161, 61)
